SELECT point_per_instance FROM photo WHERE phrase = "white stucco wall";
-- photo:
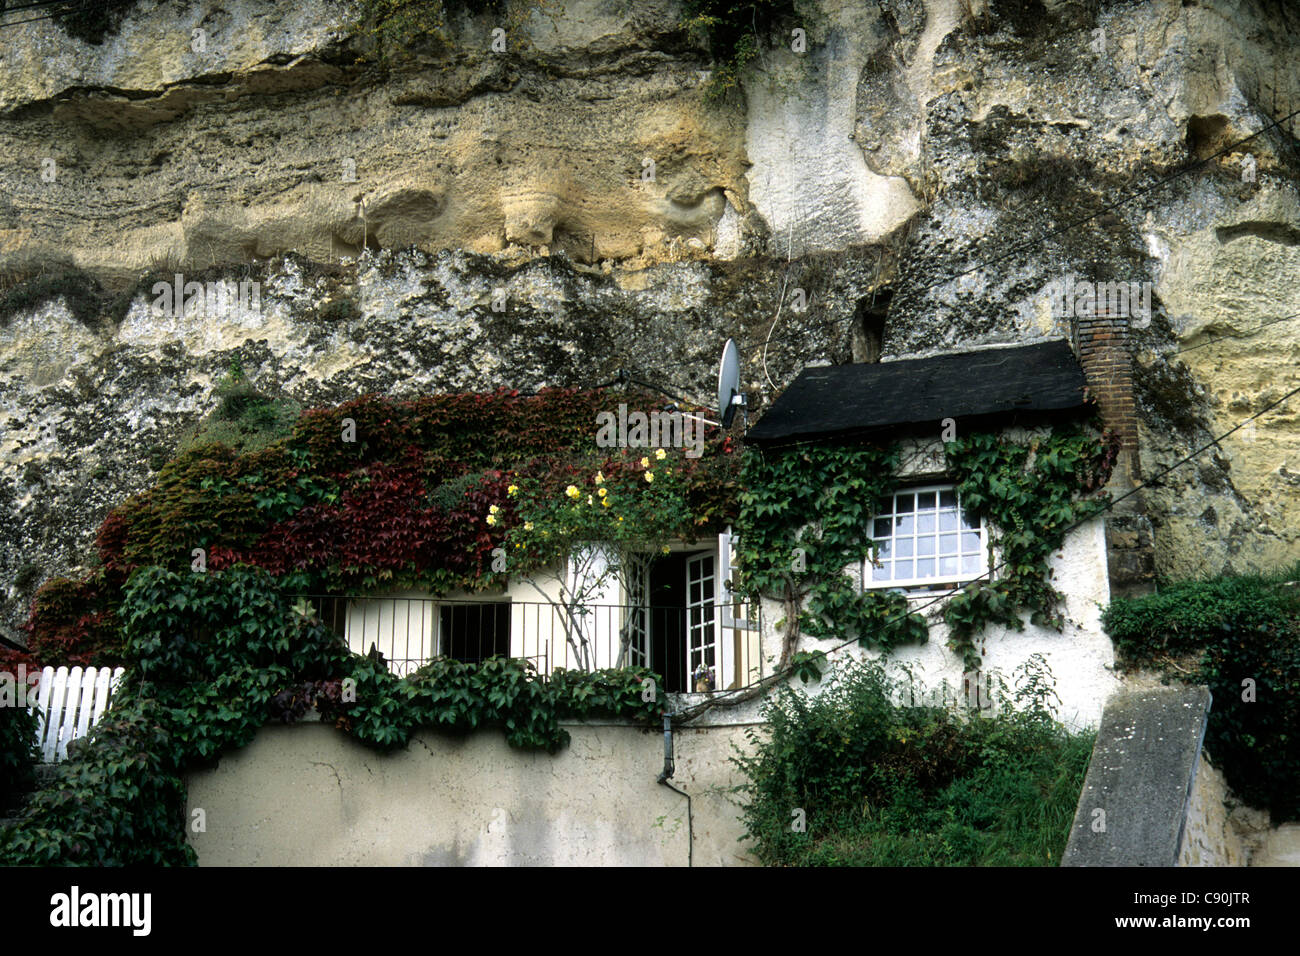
(307, 795)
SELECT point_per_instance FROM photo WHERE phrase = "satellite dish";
(729, 383)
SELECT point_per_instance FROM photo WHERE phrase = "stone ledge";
(1135, 796)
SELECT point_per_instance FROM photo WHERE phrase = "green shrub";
(885, 785)
(1189, 616)
(1243, 632)
(19, 727)
(245, 418)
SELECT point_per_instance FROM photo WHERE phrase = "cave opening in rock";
(869, 325)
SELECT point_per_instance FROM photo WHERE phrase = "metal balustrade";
(681, 644)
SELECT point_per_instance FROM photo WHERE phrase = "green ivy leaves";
(1032, 494)
(820, 498)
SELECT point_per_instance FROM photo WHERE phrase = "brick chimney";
(1102, 344)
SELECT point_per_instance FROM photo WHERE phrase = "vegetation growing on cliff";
(80, 292)
(355, 497)
(1240, 636)
(395, 27)
(245, 419)
(735, 32)
(92, 20)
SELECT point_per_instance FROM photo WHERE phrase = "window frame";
(938, 581)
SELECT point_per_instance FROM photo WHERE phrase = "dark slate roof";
(839, 401)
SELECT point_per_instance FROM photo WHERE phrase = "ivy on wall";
(1032, 493)
(213, 657)
(805, 521)
(408, 503)
(19, 727)
(805, 516)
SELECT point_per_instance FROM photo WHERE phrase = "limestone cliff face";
(951, 159)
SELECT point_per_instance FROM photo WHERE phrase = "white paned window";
(924, 539)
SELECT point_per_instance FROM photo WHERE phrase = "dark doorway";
(474, 632)
(668, 620)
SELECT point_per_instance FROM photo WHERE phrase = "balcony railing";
(678, 643)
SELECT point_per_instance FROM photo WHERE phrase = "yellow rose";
(603, 492)
(620, 517)
(649, 476)
(660, 454)
(512, 490)
(667, 549)
(645, 462)
(528, 526)
(604, 503)
(572, 491)
(493, 509)
(491, 519)
(589, 499)
(600, 479)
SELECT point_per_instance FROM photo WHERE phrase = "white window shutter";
(729, 601)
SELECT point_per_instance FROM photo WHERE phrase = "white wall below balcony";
(307, 795)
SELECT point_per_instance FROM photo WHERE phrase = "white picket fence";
(71, 702)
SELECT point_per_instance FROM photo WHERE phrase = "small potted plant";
(703, 679)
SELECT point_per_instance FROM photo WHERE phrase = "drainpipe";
(668, 749)
(663, 779)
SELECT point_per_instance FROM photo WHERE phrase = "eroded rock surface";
(938, 163)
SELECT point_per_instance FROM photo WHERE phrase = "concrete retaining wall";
(307, 795)
(1139, 784)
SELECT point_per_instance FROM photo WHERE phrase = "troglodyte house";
(976, 538)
